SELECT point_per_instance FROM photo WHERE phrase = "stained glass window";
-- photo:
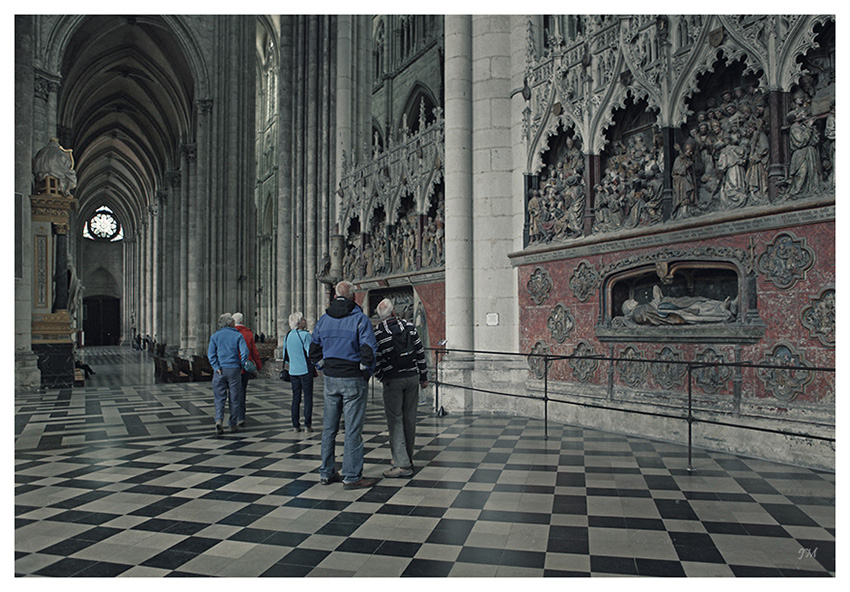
(103, 226)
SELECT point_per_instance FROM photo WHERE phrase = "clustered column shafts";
(284, 206)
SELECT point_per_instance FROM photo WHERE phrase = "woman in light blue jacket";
(297, 345)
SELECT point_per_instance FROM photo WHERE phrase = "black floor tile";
(427, 568)
(622, 471)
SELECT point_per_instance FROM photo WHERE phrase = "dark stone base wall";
(56, 362)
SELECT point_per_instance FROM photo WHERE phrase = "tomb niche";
(681, 300)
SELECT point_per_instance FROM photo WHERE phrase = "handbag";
(284, 373)
(250, 367)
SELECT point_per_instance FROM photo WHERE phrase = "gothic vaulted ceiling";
(126, 97)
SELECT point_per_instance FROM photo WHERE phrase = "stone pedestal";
(52, 327)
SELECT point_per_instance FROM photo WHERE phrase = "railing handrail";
(441, 351)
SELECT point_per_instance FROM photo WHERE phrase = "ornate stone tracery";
(667, 372)
(560, 323)
(539, 285)
(584, 369)
(632, 373)
(819, 317)
(783, 383)
(786, 260)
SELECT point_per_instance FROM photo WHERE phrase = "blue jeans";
(346, 398)
(302, 384)
(229, 379)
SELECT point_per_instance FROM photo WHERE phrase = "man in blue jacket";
(227, 353)
(343, 348)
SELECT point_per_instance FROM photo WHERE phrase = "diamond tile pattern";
(129, 480)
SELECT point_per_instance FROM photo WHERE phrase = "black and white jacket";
(408, 364)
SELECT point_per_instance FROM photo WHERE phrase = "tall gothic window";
(103, 225)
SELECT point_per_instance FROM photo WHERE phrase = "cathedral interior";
(615, 235)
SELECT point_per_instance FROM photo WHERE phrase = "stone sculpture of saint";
(683, 310)
(684, 183)
(57, 162)
(804, 170)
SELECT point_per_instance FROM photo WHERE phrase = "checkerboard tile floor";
(131, 481)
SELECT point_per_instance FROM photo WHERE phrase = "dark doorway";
(102, 320)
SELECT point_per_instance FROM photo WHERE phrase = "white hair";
(344, 289)
(238, 317)
(294, 319)
(225, 320)
(385, 308)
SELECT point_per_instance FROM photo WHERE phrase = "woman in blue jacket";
(297, 345)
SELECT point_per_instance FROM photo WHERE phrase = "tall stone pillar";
(497, 219)
(27, 373)
(284, 200)
(458, 205)
(188, 168)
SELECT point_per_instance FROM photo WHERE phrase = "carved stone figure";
(57, 162)
(683, 310)
(731, 160)
(756, 175)
(804, 171)
(684, 182)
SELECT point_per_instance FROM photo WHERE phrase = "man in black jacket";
(402, 369)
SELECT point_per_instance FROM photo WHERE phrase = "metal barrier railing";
(690, 366)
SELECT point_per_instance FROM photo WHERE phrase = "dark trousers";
(243, 399)
(302, 385)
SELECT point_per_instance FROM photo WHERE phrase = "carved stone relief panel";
(711, 379)
(536, 364)
(785, 384)
(786, 260)
(632, 373)
(584, 281)
(560, 323)
(668, 373)
(555, 210)
(630, 191)
(539, 285)
(584, 369)
(819, 317)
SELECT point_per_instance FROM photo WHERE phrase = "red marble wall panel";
(779, 308)
(433, 297)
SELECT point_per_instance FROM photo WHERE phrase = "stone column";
(497, 214)
(27, 373)
(458, 206)
(188, 168)
(284, 211)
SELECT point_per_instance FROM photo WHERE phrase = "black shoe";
(335, 478)
(218, 428)
(308, 429)
(241, 424)
(233, 429)
(361, 484)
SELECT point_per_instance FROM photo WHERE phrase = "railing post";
(690, 419)
(546, 396)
